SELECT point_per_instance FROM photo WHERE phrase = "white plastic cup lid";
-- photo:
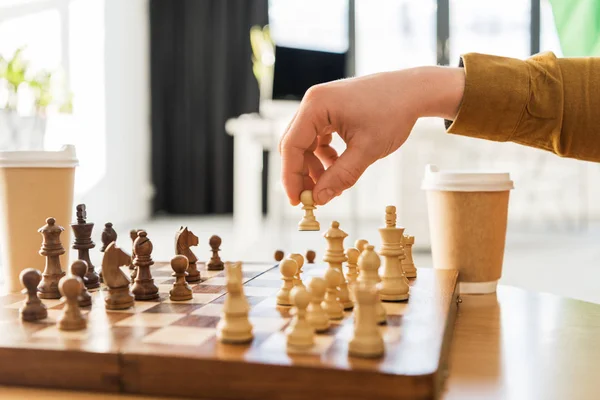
(465, 181)
(66, 157)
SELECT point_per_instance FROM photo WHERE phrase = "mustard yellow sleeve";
(545, 102)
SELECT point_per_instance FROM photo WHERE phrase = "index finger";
(299, 138)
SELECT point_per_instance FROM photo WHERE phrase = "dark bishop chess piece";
(109, 235)
(52, 249)
(143, 287)
(79, 268)
(119, 296)
(71, 318)
(215, 263)
(83, 243)
(183, 240)
(33, 309)
(181, 290)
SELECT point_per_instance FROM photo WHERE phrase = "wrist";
(439, 91)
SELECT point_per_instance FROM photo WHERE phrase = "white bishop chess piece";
(369, 263)
(234, 326)
(394, 285)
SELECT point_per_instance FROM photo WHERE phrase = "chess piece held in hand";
(215, 263)
(71, 318)
(34, 309)
(308, 222)
(181, 291)
(79, 268)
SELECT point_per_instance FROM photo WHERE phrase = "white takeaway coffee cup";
(34, 185)
(468, 212)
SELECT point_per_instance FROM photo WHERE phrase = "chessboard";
(168, 348)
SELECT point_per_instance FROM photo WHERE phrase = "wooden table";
(513, 345)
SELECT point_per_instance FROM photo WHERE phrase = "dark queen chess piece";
(52, 249)
(143, 287)
(83, 243)
(215, 263)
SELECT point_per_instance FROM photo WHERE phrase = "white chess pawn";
(300, 261)
(316, 316)
(369, 263)
(235, 326)
(331, 304)
(352, 254)
(288, 268)
(367, 341)
(308, 222)
(300, 333)
(360, 244)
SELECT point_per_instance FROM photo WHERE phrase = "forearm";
(544, 102)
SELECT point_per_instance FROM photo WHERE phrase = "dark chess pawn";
(278, 256)
(33, 309)
(143, 287)
(310, 256)
(79, 268)
(215, 263)
(83, 244)
(181, 291)
(52, 249)
(71, 318)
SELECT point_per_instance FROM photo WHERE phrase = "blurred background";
(176, 108)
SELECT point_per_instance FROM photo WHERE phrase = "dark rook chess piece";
(83, 243)
(51, 249)
(143, 287)
(33, 309)
(181, 290)
(215, 263)
(79, 268)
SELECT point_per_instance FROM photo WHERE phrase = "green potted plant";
(26, 96)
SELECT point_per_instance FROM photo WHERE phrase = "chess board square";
(208, 288)
(150, 320)
(264, 283)
(271, 276)
(52, 332)
(199, 321)
(398, 308)
(180, 335)
(391, 334)
(211, 310)
(164, 288)
(138, 307)
(198, 298)
(172, 307)
(267, 324)
(210, 274)
(48, 303)
(259, 291)
(218, 280)
(278, 343)
(256, 267)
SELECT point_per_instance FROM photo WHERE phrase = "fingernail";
(325, 195)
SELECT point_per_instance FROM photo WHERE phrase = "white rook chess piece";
(408, 264)
(288, 268)
(394, 286)
(308, 222)
(369, 263)
(234, 326)
(316, 316)
(300, 261)
(300, 333)
(334, 256)
(367, 341)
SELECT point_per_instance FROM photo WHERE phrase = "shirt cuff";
(494, 99)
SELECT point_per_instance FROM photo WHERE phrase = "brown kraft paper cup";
(29, 196)
(468, 228)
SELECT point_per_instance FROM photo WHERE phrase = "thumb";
(341, 175)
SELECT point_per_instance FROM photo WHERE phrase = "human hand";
(373, 115)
